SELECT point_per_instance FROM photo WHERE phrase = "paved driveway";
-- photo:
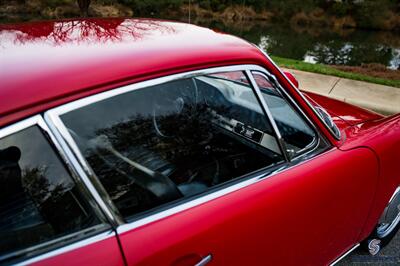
(390, 255)
(379, 98)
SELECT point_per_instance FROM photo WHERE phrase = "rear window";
(39, 201)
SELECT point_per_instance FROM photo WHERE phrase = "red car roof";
(47, 63)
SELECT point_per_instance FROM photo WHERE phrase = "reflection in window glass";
(38, 199)
(173, 140)
(295, 132)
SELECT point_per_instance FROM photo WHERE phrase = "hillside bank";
(365, 14)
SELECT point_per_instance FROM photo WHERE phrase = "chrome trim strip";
(204, 261)
(345, 254)
(392, 226)
(268, 114)
(206, 198)
(52, 117)
(140, 85)
(396, 221)
(394, 194)
(74, 155)
(31, 121)
(79, 244)
(297, 108)
(190, 204)
(76, 176)
(38, 121)
(301, 95)
(28, 251)
(66, 142)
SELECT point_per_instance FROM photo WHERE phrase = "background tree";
(84, 7)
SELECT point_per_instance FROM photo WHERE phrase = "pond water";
(319, 45)
(351, 47)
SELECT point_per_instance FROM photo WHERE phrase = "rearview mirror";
(292, 78)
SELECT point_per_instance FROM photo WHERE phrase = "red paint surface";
(383, 138)
(103, 253)
(45, 61)
(307, 215)
(351, 114)
(45, 64)
(292, 78)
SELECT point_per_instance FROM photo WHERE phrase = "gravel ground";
(389, 255)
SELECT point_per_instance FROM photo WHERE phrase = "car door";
(215, 166)
(45, 216)
(308, 214)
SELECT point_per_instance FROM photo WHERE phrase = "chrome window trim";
(316, 140)
(70, 149)
(52, 118)
(37, 120)
(208, 197)
(337, 137)
(19, 126)
(74, 155)
(188, 205)
(30, 251)
(268, 114)
(69, 162)
(82, 243)
(41, 123)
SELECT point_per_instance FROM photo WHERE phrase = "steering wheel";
(174, 102)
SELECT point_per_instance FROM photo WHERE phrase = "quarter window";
(296, 133)
(39, 201)
(174, 140)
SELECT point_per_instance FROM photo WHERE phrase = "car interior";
(175, 140)
(38, 199)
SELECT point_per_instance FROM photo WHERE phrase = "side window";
(39, 201)
(161, 143)
(296, 133)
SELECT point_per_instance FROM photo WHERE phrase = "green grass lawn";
(327, 70)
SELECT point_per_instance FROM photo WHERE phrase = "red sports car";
(148, 142)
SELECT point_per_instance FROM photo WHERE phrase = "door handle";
(204, 261)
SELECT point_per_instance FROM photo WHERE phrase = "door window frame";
(64, 138)
(68, 242)
(292, 103)
(336, 135)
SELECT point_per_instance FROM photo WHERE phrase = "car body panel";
(350, 114)
(63, 66)
(57, 60)
(302, 216)
(101, 252)
(383, 138)
(308, 214)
